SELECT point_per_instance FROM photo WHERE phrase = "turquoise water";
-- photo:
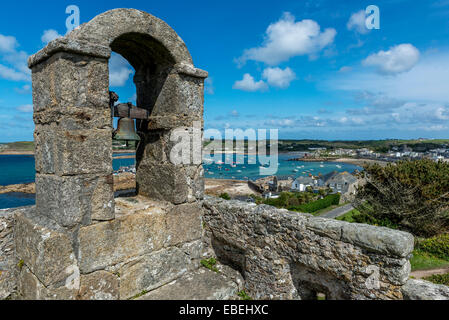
(17, 169)
(286, 168)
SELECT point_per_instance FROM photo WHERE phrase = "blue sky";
(309, 68)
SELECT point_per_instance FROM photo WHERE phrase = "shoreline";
(359, 162)
(17, 153)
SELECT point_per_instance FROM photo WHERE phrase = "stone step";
(201, 284)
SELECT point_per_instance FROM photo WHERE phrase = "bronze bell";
(126, 130)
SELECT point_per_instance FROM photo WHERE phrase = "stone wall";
(143, 249)
(8, 261)
(288, 255)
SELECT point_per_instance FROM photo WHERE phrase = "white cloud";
(248, 84)
(357, 22)
(26, 108)
(427, 81)
(7, 43)
(119, 71)
(26, 89)
(283, 123)
(11, 74)
(398, 59)
(286, 38)
(19, 60)
(14, 67)
(277, 77)
(235, 114)
(50, 35)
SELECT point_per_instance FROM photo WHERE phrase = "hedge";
(330, 200)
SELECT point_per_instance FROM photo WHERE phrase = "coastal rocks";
(424, 290)
(289, 255)
(29, 188)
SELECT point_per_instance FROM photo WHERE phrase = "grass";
(422, 260)
(20, 146)
(210, 264)
(349, 217)
(244, 296)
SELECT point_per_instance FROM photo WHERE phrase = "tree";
(414, 195)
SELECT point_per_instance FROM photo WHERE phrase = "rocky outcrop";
(424, 290)
(288, 255)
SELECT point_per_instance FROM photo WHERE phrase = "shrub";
(438, 246)
(225, 196)
(439, 279)
(414, 195)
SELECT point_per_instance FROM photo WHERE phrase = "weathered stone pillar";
(73, 133)
(72, 246)
(178, 105)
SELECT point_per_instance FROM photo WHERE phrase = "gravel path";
(337, 212)
(418, 274)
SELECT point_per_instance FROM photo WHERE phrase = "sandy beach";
(12, 152)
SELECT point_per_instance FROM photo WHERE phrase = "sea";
(18, 169)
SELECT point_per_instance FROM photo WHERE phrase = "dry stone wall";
(288, 255)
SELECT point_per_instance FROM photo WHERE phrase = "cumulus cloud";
(14, 65)
(119, 71)
(287, 38)
(278, 77)
(25, 108)
(50, 35)
(398, 59)
(7, 43)
(249, 84)
(11, 74)
(357, 22)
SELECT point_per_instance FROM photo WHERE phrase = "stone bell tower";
(79, 242)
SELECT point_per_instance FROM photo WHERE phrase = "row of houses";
(339, 182)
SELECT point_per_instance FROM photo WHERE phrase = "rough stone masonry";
(78, 242)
